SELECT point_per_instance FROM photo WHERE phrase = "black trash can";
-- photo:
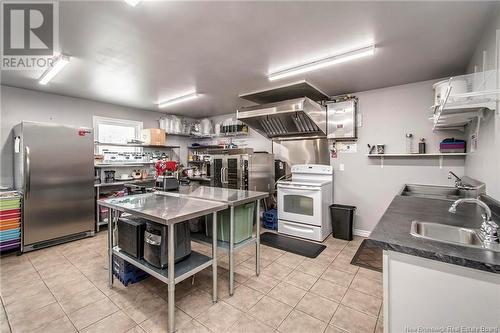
(342, 220)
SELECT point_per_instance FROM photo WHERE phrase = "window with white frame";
(113, 130)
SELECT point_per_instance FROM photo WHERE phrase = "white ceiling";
(138, 56)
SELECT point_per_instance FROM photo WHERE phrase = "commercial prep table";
(167, 210)
(232, 198)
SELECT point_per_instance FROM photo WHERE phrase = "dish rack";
(456, 109)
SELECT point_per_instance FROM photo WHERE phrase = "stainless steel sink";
(450, 234)
(434, 191)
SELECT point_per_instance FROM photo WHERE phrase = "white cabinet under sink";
(422, 295)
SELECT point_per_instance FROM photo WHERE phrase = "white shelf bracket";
(441, 162)
(382, 162)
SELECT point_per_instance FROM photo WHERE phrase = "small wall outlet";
(341, 167)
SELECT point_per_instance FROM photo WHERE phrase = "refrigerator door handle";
(27, 172)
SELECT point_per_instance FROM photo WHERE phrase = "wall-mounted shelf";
(479, 94)
(416, 155)
(134, 145)
(119, 183)
(122, 165)
(441, 156)
(204, 147)
(221, 135)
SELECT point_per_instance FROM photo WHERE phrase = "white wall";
(484, 164)
(388, 114)
(21, 104)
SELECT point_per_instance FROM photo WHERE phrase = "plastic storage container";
(126, 272)
(243, 223)
(270, 219)
(342, 221)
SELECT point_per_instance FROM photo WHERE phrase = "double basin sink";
(443, 232)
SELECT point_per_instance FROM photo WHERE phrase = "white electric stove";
(303, 202)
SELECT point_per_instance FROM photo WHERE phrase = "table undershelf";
(193, 264)
(201, 238)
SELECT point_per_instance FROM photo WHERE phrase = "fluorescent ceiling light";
(363, 52)
(57, 65)
(179, 99)
(132, 2)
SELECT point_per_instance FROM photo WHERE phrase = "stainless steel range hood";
(299, 117)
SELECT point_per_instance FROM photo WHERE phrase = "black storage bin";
(131, 235)
(342, 221)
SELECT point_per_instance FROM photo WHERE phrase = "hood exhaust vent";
(300, 117)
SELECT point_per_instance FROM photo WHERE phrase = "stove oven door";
(300, 203)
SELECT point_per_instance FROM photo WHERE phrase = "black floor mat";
(368, 256)
(293, 245)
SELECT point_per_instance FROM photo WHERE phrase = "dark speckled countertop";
(393, 232)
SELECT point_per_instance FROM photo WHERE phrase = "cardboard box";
(153, 136)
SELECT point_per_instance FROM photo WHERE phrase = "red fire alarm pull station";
(83, 132)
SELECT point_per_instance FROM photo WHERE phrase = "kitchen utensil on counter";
(137, 174)
(144, 173)
(167, 183)
(371, 149)
(380, 148)
(109, 176)
(421, 146)
(163, 166)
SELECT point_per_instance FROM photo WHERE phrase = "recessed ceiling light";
(57, 65)
(132, 2)
(178, 99)
(307, 67)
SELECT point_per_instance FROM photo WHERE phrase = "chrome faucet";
(458, 181)
(488, 233)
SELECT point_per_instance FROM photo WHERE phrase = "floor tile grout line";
(86, 277)
(57, 301)
(6, 315)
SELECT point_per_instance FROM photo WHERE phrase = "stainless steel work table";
(233, 198)
(167, 210)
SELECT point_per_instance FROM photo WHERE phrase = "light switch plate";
(341, 167)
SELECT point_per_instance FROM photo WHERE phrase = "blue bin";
(126, 272)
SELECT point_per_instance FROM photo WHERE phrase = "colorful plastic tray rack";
(10, 220)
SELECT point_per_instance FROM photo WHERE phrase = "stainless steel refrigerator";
(53, 168)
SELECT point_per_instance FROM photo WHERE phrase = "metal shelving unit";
(122, 165)
(134, 145)
(118, 183)
(99, 187)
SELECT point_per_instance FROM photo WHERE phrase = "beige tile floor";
(64, 289)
